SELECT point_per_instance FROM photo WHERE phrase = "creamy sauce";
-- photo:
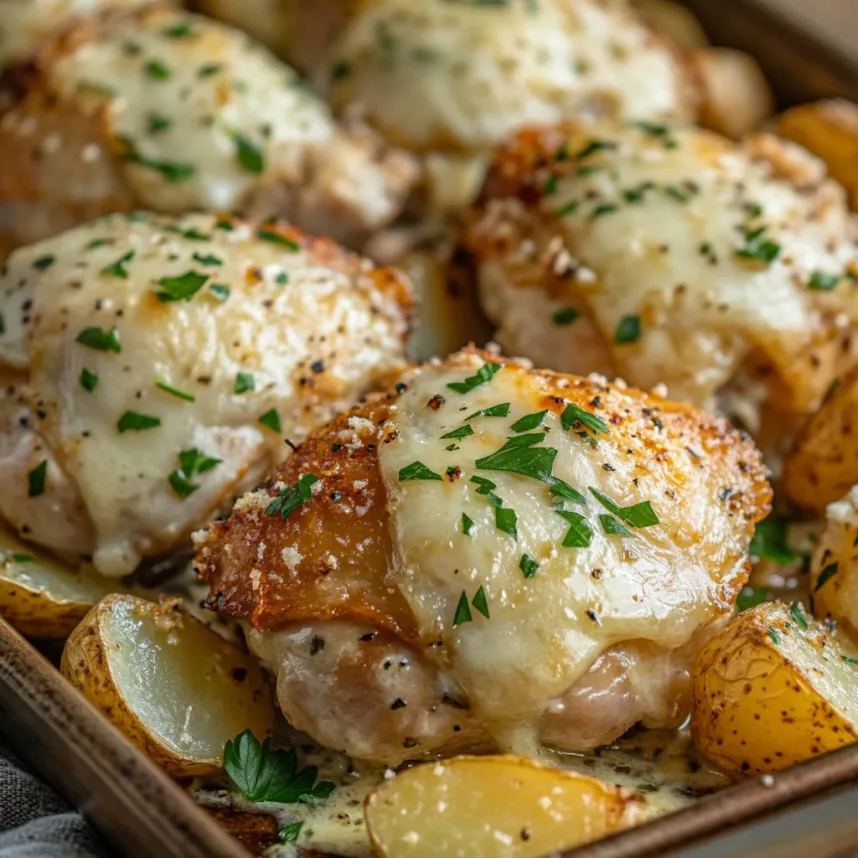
(662, 766)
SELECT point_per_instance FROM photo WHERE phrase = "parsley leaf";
(480, 602)
(750, 597)
(293, 496)
(249, 154)
(171, 172)
(100, 340)
(174, 391)
(262, 774)
(822, 282)
(290, 833)
(463, 611)
(528, 422)
(774, 635)
(207, 259)
(638, 515)
(573, 417)
(461, 432)
(36, 479)
(44, 262)
(118, 269)
(506, 521)
(132, 421)
(181, 288)
(565, 316)
(501, 410)
(88, 380)
(220, 291)
(244, 381)
(758, 248)
(528, 566)
(580, 535)
(519, 456)
(612, 527)
(467, 525)
(628, 330)
(417, 471)
(274, 237)
(797, 613)
(271, 420)
(770, 541)
(826, 575)
(483, 375)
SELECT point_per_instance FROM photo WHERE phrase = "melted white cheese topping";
(545, 631)
(465, 75)
(267, 328)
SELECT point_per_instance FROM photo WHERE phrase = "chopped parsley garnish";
(596, 146)
(249, 154)
(290, 833)
(19, 557)
(758, 248)
(500, 410)
(565, 316)
(220, 291)
(181, 288)
(461, 432)
(774, 634)
(36, 479)
(207, 259)
(637, 194)
(262, 774)
(157, 70)
(100, 340)
(276, 238)
(750, 597)
(271, 420)
(179, 31)
(158, 123)
(529, 422)
(528, 566)
(676, 193)
(550, 186)
(603, 209)
(797, 613)
(628, 330)
(480, 602)
(192, 233)
(88, 380)
(118, 269)
(568, 208)
(467, 525)
(849, 660)
(579, 535)
(653, 128)
(613, 527)
(132, 421)
(574, 417)
(174, 391)
(293, 496)
(244, 381)
(341, 70)
(770, 541)
(520, 456)
(639, 515)
(417, 471)
(209, 69)
(171, 171)
(44, 262)
(826, 575)
(282, 278)
(506, 521)
(705, 249)
(463, 611)
(483, 375)
(191, 463)
(822, 282)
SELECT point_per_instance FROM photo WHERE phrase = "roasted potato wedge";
(773, 688)
(823, 463)
(736, 96)
(834, 565)
(40, 596)
(485, 806)
(829, 129)
(171, 684)
(675, 21)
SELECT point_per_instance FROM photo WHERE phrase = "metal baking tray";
(808, 810)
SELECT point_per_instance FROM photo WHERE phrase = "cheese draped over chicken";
(666, 254)
(24, 23)
(152, 367)
(173, 112)
(491, 554)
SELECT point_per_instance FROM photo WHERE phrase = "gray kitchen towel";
(35, 822)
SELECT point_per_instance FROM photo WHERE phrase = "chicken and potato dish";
(579, 553)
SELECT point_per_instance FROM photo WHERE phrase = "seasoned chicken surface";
(153, 366)
(666, 254)
(490, 555)
(24, 23)
(173, 112)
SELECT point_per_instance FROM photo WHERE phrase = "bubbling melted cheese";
(543, 632)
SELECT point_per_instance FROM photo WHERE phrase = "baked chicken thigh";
(173, 112)
(151, 368)
(666, 254)
(490, 556)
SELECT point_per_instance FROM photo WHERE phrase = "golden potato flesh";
(829, 129)
(173, 686)
(40, 596)
(478, 807)
(772, 689)
(823, 463)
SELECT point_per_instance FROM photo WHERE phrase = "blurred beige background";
(835, 20)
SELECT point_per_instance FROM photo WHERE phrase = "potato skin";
(829, 129)
(823, 463)
(768, 694)
(35, 614)
(86, 663)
